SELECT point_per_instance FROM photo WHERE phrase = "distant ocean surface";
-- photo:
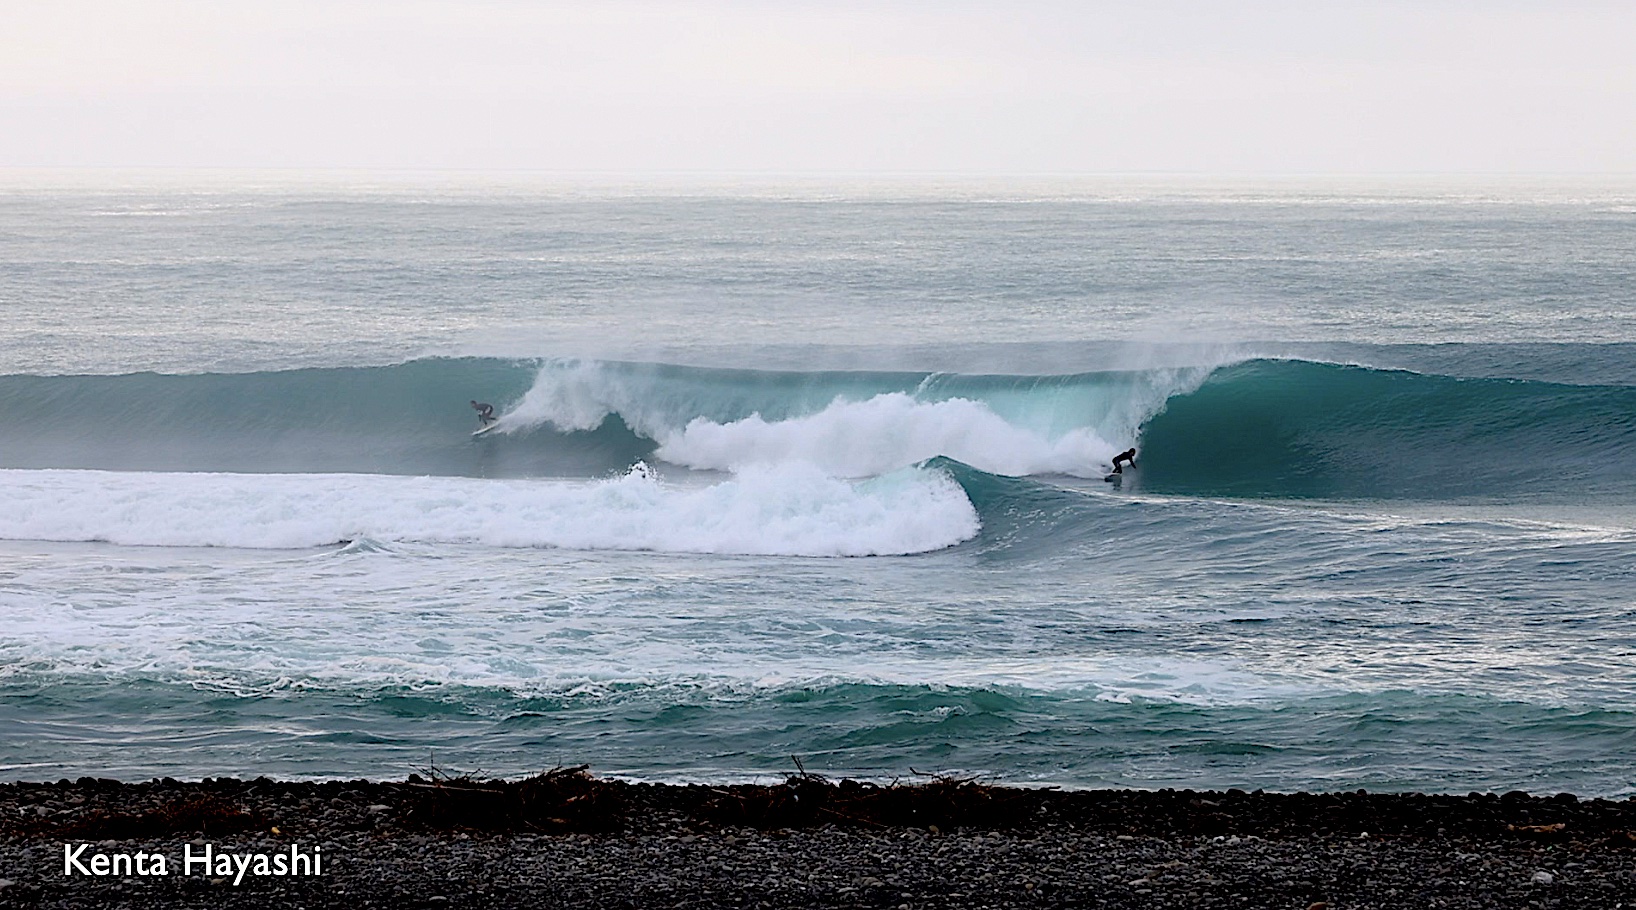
(816, 472)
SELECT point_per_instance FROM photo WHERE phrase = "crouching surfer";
(1119, 461)
(1128, 457)
(485, 413)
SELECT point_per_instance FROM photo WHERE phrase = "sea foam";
(788, 510)
(866, 438)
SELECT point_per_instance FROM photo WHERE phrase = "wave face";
(1255, 428)
(575, 418)
(1301, 429)
(411, 418)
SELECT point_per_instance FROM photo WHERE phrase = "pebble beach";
(567, 839)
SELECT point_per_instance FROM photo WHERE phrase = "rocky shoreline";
(566, 839)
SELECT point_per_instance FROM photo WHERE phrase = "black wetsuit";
(1128, 456)
(485, 412)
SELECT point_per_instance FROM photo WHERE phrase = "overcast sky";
(1319, 86)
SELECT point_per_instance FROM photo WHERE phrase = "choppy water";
(819, 473)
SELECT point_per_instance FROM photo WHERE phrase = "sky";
(694, 86)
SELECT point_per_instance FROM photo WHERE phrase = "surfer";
(485, 413)
(1128, 457)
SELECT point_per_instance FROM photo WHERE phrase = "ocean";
(812, 474)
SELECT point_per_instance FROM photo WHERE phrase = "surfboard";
(486, 427)
(1115, 479)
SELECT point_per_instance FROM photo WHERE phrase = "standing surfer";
(485, 413)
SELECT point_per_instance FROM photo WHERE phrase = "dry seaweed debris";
(566, 800)
(570, 799)
(805, 800)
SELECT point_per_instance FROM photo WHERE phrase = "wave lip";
(788, 510)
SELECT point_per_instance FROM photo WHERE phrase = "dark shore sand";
(568, 840)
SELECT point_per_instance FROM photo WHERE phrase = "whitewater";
(784, 473)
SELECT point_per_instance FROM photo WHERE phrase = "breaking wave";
(1252, 428)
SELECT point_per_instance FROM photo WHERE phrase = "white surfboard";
(486, 427)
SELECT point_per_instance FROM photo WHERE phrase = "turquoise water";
(818, 473)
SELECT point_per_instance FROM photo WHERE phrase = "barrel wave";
(1277, 428)
(1254, 428)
